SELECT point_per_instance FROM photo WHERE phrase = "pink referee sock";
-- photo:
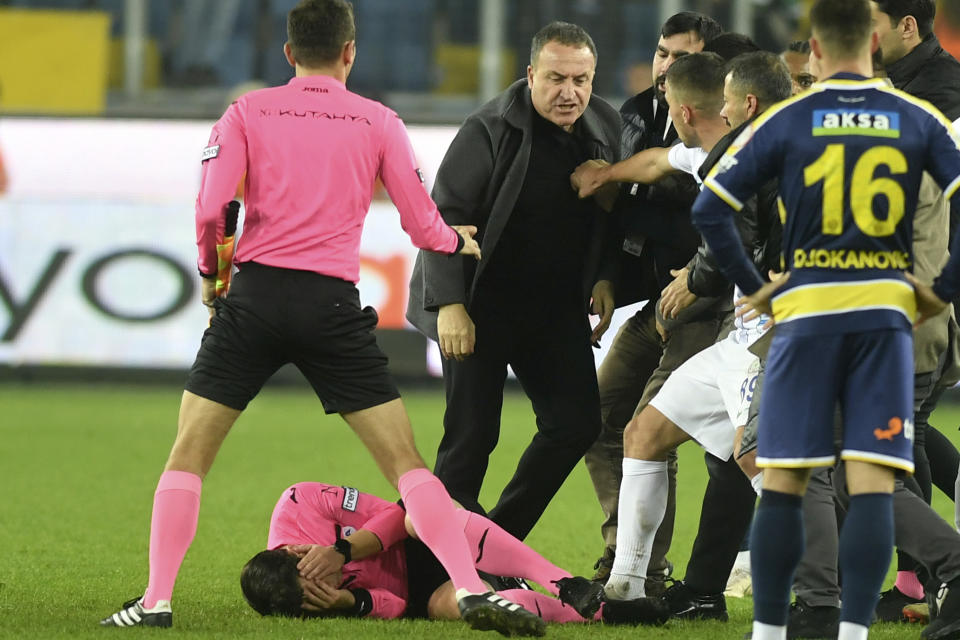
(501, 554)
(550, 609)
(434, 519)
(909, 585)
(176, 507)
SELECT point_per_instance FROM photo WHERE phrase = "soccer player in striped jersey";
(849, 156)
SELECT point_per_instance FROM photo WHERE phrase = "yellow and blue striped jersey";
(849, 155)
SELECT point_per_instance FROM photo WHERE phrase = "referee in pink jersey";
(311, 151)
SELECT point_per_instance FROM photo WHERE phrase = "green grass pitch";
(79, 465)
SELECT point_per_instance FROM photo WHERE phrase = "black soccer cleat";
(686, 604)
(806, 621)
(507, 583)
(945, 622)
(585, 596)
(891, 604)
(489, 612)
(648, 611)
(132, 614)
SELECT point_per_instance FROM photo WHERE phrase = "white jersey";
(746, 333)
(689, 160)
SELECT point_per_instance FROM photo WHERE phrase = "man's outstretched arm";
(645, 167)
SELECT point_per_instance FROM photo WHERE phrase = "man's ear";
(687, 113)
(349, 53)
(818, 52)
(908, 28)
(288, 54)
(753, 105)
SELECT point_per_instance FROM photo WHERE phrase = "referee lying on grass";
(334, 551)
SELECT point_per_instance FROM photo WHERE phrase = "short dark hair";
(699, 76)
(565, 33)
(318, 29)
(763, 74)
(799, 46)
(270, 584)
(842, 26)
(923, 11)
(730, 45)
(686, 21)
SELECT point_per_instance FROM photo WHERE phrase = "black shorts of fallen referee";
(425, 575)
(274, 316)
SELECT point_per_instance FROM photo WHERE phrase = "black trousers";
(725, 517)
(548, 347)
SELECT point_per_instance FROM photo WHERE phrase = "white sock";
(757, 482)
(763, 631)
(643, 500)
(743, 561)
(852, 631)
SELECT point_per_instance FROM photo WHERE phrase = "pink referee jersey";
(314, 513)
(311, 151)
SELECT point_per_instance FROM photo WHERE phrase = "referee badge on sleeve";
(350, 496)
(210, 152)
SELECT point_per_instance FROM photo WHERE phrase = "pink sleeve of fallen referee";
(419, 215)
(313, 513)
(223, 160)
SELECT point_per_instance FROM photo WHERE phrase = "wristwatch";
(343, 547)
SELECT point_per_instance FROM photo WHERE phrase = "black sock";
(776, 545)
(866, 543)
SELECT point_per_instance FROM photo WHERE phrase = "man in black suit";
(660, 240)
(546, 254)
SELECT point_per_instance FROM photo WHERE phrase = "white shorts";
(709, 395)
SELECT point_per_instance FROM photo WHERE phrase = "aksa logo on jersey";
(856, 122)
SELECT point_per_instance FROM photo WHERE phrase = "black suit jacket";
(930, 73)
(478, 183)
(654, 217)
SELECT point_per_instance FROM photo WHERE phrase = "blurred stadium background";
(106, 104)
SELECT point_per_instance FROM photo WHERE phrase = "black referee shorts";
(273, 316)
(425, 575)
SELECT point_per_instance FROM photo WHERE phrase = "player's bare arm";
(645, 167)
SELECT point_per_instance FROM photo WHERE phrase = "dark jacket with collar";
(654, 217)
(758, 223)
(930, 73)
(478, 183)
